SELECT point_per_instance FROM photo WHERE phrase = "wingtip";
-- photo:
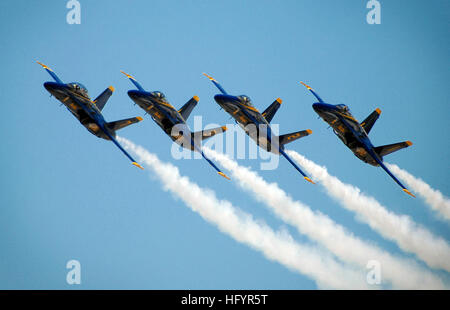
(224, 175)
(111, 88)
(378, 111)
(196, 98)
(224, 128)
(409, 193)
(309, 131)
(208, 76)
(137, 165)
(279, 100)
(139, 118)
(409, 143)
(309, 180)
(127, 75)
(43, 66)
(306, 85)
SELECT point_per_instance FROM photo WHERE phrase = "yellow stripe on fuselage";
(349, 117)
(249, 107)
(166, 104)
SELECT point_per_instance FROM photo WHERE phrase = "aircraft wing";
(133, 80)
(372, 153)
(121, 148)
(295, 166)
(208, 160)
(313, 92)
(50, 71)
(216, 83)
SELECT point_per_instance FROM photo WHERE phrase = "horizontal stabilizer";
(186, 110)
(208, 133)
(271, 110)
(287, 138)
(367, 124)
(101, 100)
(390, 148)
(123, 123)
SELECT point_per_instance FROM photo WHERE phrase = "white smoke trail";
(401, 273)
(401, 229)
(276, 246)
(434, 198)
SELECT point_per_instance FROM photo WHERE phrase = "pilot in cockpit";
(159, 95)
(80, 89)
(246, 100)
(343, 108)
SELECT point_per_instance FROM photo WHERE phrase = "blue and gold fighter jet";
(355, 134)
(173, 121)
(257, 125)
(76, 98)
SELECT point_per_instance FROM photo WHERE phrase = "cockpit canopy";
(79, 88)
(246, 100)
(159, 95)
(343, 108)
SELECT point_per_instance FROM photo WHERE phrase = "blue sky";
(66, 194)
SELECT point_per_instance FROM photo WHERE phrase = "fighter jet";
(257, 125)
(76, 98)
(173, 121)
(355, 134)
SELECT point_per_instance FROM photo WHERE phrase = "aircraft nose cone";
(225, 99)
(50, 86)
(220, 98)
(134, 94)
(317, 107)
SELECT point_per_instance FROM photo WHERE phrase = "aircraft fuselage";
(81, 106)
(251, 121)
(349, 130)
(166, 116)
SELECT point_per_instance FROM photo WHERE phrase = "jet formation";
(74, 96)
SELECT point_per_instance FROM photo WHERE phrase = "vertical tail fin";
(367, 124)
(269, 113)
(101, 100)
(187, 108)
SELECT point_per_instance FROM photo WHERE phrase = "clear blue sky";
(65, 194)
